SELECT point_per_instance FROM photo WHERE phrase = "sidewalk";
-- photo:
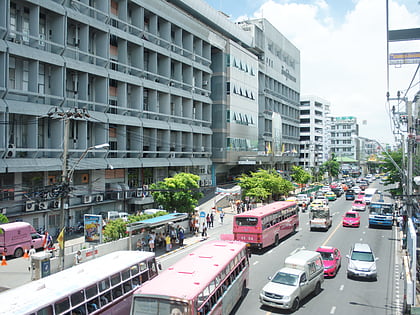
(16, 272)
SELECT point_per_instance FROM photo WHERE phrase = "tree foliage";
(178, 193)
(3, 219)
(394, 175)
(332, 167)
(299, 175)
(114, 230)
(264, 184)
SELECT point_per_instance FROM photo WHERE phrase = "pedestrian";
(211, 219)
(197, 227)
(181, 236)
(208, 221)
(204, 231)
(138, 245)
(168, 243)
(32, 251)
(78, 257)
(152, 244)
(222, 215)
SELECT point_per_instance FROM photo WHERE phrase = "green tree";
(179, 193)
(300, 176)
(394, 175)
(3, 219)
(114, 230)
(332, 167)
(264, 185)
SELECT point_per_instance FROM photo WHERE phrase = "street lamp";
(67, 177)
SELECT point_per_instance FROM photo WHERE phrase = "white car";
(362, 262)
(356, 189)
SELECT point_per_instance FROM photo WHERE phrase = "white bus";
(369, 193)
(103, 285)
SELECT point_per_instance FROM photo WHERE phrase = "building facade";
(314, 130)
(344, 133)
(121, 94)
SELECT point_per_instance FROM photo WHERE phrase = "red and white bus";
(266, 225)
(210, 280)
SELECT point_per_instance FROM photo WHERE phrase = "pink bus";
(210, 280)
(266, 225)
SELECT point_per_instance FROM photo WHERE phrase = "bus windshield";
(153, 306)
(246, 221)
(381, 209)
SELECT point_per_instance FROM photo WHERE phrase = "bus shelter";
(156, 223)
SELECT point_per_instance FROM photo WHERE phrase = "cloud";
(343, 60)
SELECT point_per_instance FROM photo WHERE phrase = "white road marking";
(332, 310)
(341, 287)
(255, 263)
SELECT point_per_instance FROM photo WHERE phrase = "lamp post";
(66, 178)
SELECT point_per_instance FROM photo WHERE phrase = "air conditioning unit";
(43, 205)
(87, 199)
(30, 206)
(99, 198)
(3, 210)
(11, 151)
(56, 204)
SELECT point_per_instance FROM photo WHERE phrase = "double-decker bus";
(103, 285)
(381, 211)
(210, 280)
(266, 225)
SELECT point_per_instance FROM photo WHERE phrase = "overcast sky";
(343, 51)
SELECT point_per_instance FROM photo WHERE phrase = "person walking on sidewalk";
(208, 220)
(204, 232)
(211, 219)
(222, 215)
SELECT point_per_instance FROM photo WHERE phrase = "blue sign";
(202, 214)
(45, 268)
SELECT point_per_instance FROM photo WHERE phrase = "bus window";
(116, 292)
(91, 291)
(125, 274)
(77, 298)
(143, 267)
(105, 298)
(103, 285)
(92, 306)
(46, 311)
(127, 286)
(62, 306)
(152, 268)
(115, 279)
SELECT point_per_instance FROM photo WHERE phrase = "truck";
(16, 237)
(320, 218)
(303, 201)
(302, 274)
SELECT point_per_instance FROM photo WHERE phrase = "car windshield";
(326, 256)
(285, 278)
(351, 215)
(362, 256)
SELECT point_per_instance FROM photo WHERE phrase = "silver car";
(362, 262)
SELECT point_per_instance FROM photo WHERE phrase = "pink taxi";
(331, 258)
(351, 218)
(358, 205)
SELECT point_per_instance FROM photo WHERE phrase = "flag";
(60, 239)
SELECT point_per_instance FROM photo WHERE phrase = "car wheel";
(295, 305)
(18, 252)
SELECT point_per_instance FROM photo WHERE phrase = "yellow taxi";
(330, 196)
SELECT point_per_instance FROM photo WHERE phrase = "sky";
(343, 53)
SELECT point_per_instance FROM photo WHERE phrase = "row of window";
(239, 91)
(241, 65)
(215, 290)
(240, 118)
(279, 216)
(103, 292)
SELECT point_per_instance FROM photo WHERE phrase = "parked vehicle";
(16, 237)
(331, 257)
(351, 219)
(362, 262)
(302, 274)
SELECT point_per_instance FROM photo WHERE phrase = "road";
(339, 295)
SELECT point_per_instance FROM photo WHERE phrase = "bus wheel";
(18, 252)
(276, 241)
(295, 305)
(294, 229)
(243, 292)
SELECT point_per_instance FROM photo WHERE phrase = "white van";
(302, 274)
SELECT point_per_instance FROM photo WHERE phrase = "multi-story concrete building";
(120, 94)
(344, 132)
(314, 125)
(279, 94)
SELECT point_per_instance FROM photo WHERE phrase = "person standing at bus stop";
(168, 242)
